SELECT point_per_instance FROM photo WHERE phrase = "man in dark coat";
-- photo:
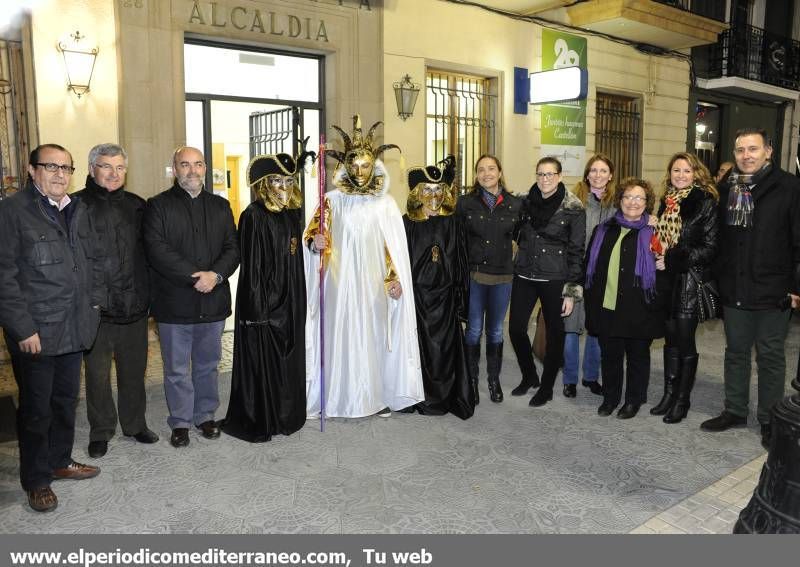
(758, 268)
(440, 274)
(268, 386)
(190, 239)
(50, 298)
(117, 217)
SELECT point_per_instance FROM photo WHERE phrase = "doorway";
(245, 101)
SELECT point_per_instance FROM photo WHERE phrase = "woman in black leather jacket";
(488, 213)
(548, 267)
(687, 230)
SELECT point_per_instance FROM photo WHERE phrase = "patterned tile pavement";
(509, 469)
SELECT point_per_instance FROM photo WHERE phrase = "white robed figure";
(371, 351)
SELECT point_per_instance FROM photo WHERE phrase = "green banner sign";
(563, 123)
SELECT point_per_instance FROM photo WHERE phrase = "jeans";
(572, 358)
(192, 393)
(491, 300)
(48, 396)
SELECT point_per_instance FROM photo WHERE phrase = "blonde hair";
(702, 177)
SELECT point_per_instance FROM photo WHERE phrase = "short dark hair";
(552, 161)
(629, 182)
(754, 132)
(34, 157)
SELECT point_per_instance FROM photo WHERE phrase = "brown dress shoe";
(210, 429)
(76, 471)
(42, 499)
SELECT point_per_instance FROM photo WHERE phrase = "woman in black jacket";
(548, 267)
(488, 214)
(623, 308)
(687, 230)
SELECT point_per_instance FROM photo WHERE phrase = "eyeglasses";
(108, 168)
(549, 175)
(634, 198)
(53, 167)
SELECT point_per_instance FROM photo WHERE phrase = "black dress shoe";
(628, 411)
(210, 429)
(723, 421)
(97, 449)
(570, 391)
(541, 397)
(594, 387)
(179, 437)
(605, 409)
(525, 385)
(766, 435)
(145, 436)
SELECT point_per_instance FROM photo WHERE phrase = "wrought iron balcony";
(750, 53)
(707, 8)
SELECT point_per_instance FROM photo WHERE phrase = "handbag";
(539, 346)
(709, 305)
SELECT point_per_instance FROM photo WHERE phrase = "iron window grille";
(461, 114)
(618, 131)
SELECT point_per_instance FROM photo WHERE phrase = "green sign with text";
(563, 123)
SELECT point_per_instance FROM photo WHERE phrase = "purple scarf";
(645, 260)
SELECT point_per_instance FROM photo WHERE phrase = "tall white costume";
(371, 351)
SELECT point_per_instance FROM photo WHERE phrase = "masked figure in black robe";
(268, 387)
(440, 272)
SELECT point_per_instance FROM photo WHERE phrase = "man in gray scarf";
(758, 270)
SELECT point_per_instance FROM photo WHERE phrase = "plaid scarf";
(740, 199)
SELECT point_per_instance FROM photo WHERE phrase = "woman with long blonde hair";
(687, 229)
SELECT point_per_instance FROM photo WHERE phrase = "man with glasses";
(191, 244)
(51, 291)
(117, 217)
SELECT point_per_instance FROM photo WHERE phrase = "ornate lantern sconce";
(405, 93)
(79, 59)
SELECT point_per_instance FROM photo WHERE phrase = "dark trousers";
(524, 295)
(634, 354)
(766, 330)
(127, 344)
(48, 396)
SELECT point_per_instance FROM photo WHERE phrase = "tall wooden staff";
(321, 162)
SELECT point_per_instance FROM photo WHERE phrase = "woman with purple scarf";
(623, 308)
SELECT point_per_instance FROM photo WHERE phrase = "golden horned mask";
(358, 160)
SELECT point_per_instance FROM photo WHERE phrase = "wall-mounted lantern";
(405, 93)
(79, 59)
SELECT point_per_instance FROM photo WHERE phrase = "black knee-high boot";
(672, 373)
(473, 363)
(682, 403)
(494, 363)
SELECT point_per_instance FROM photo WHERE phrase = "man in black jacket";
(117, 218)
(757, 267)
(50, 298)
(190, 239)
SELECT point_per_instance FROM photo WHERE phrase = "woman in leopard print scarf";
(687, 230)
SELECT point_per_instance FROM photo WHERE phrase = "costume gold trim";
(391, 272)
